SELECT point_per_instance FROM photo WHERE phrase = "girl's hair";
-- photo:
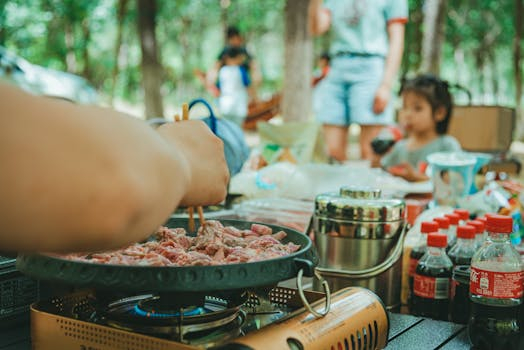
(436, 92)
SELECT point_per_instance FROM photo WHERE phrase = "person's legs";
(336, 137)
(367, 134)
(366, 78)
(330, 107)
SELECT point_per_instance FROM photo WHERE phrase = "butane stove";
(264, 318)
(17, 292)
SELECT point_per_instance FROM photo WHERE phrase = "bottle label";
(494, 284)
(431, 287)
(412, 266)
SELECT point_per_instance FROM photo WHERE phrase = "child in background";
(425, 115)
(233, 82)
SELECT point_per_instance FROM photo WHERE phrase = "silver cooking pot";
(359, 237)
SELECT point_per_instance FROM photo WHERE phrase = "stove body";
(271, 318)
(17, 293)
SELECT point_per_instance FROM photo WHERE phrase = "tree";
(434, 16)
(151, 68)
(120, 13)
(517, 55)
(298, 62)
(413, 38)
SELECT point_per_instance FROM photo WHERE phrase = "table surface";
(406, 332)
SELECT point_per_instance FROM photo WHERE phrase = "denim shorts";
(346, 94)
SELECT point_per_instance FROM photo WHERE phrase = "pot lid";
(342, 207)
(360, 192)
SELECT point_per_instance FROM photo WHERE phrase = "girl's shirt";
(417, 158)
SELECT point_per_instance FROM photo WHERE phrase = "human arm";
(319, 18)
(393, 59)
(85, 178)
(407, 172)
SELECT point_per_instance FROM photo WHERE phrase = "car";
(40, 80)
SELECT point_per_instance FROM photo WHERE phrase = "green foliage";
(80, 36)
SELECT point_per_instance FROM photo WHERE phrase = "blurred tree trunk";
(517, 55)
(3, 24)
(434, 21)
(224, 19)
(69, 38)
(151, 68)
(120, 14)
(86, 36)
(296, 103)
(413, 46)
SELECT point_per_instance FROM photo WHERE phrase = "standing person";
(366, 54)
(233, 83)
(80, 178)
(235, 40)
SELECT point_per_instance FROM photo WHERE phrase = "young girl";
(425, 115)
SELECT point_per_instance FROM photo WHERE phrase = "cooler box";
(483, 128)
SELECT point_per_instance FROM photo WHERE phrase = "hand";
(204, 165)
(407, 172)
(382, 96)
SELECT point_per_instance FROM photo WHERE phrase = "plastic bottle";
(443, 224)
(464, 215)
(462, 252)
(418, 252)
(454, 220)
(479, 235)
(484, 220)
(496, 290)
(431, 285)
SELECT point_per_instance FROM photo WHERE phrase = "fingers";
(379, 104)
(204, 156)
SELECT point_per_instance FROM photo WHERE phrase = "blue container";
(452, 176)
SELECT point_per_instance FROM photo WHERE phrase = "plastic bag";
(294, 142)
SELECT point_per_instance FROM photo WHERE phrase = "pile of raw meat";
(213, 245)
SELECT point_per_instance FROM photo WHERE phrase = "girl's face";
(416, 114)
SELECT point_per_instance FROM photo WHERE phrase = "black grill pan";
(177, 279)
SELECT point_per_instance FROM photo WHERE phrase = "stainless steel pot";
(359, 237)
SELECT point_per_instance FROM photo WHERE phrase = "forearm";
(394, 55)
(81, 178)
(318, 19)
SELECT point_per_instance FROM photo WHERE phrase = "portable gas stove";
(264, 318)
(17, 292)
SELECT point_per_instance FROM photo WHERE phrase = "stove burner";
(158, 306)
(166, 315)
(153, 313)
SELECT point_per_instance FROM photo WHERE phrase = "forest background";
(126, 47)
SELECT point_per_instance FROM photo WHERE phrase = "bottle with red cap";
(463, 214)
(462, 252)
(431, 284)
(479, 232)
(418, 252)
(484, 220)
(443, 224)
(496, 290)
(454, 220)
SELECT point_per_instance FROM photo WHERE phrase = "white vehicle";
(45, 81)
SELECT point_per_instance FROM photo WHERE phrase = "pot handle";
(372, 271)
(212, 117)
(309, 268)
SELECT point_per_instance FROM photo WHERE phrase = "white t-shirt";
(233, 99)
